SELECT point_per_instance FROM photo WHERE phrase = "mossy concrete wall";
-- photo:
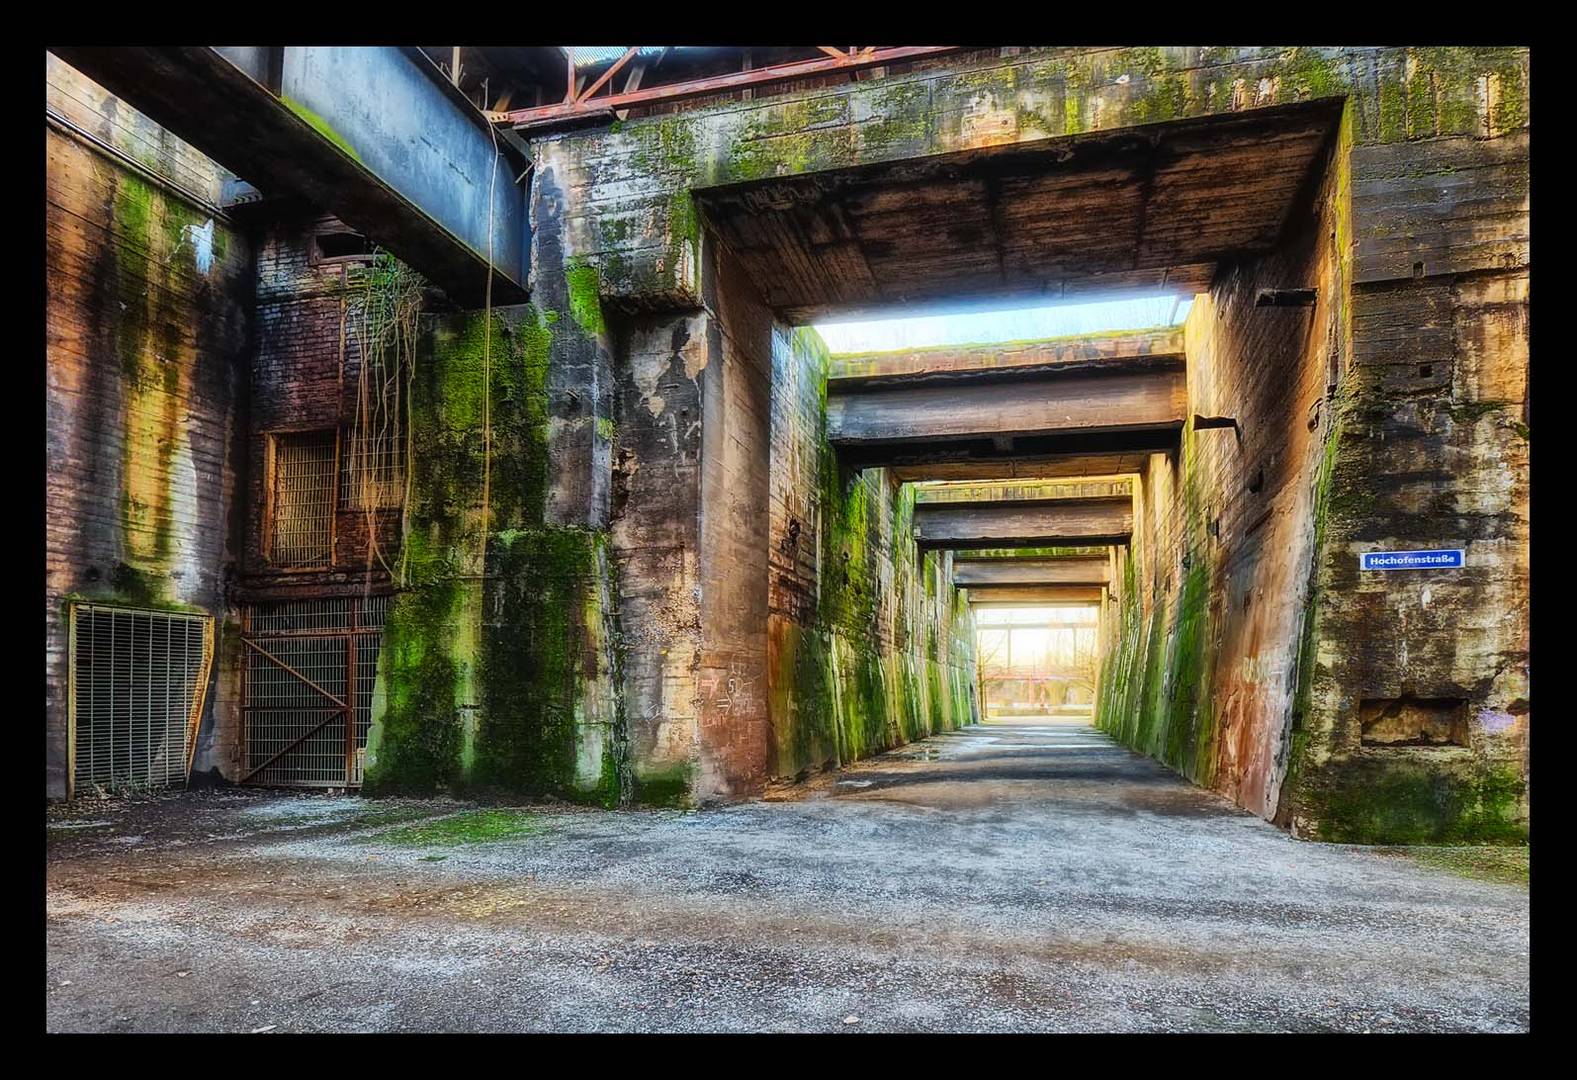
(1247, 645)
(497, 667)
(620, 192)
(870, 646)
(1213, 589)
(147, 296)
(1432, 173)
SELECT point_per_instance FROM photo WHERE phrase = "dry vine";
(386, 331)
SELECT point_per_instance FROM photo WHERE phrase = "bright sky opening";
(1021, 324)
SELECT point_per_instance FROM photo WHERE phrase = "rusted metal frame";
(199, 696)
(270, 482)
(269, 635)
(613, 70)
(351, 649)
(71, 704)
(778, 73)
(313, 730)
(280, 663)
(334, 480)
(837, 54)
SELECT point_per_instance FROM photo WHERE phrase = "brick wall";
(148, 290)
(306, 375)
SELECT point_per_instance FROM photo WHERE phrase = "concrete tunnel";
(543, 480)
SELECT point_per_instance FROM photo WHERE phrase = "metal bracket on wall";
(1285, 298)
(1206, 423)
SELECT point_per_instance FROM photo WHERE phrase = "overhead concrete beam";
(992, 491)
(944, 360)
(1099, 396)
(1024, 523)
(369, 134)
(1038, 595)
(982, 573)
(977, 405)
(1042, 467)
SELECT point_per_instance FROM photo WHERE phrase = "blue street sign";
(1445, 559)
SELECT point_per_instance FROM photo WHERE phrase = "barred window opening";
(372, 472)
(304, 499)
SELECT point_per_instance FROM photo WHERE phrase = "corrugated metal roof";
(584, 55)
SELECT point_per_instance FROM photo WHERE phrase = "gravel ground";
(1027, 876)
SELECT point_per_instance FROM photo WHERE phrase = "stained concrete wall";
(869, 644)
(1251, 653)
(1430, 264)
(147, 295)
(1213, 590)
(497, 671)
(773, 614)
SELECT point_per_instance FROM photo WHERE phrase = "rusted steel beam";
(767, 76)
(610, 73)
(837, 54)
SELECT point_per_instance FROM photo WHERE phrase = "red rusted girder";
(544, 114)
(606, 75)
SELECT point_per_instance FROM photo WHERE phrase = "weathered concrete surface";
(1250, 665)
(369, 133)
(1026, 522)
(147, 307)
(868, 646)
(1005, 877)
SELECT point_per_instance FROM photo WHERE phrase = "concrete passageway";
(1027, 875)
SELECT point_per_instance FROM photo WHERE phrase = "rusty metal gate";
(310, 670)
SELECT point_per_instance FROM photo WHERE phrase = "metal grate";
(311, 670)
(304, 499)
(137, 682)
(372, 473)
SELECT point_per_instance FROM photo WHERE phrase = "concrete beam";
(1038, 595)
(1024, 523)
(369, 134)
(994, 491)
(1042, 467)
(1082, 570)
(944, 360)
(1133, 405)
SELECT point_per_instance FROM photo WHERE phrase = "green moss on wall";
(663, 787)
(321, 126)
(585, 297)
(855, 680)
(483, 674)
(414, 744)
(536, 651)
(1408, 801)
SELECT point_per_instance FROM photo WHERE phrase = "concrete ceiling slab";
(1151, 207)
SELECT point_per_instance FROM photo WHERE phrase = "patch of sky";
(1019, 324)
